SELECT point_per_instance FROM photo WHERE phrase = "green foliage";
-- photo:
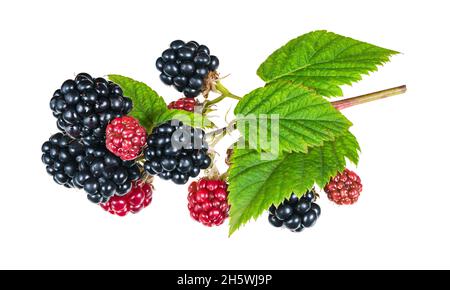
(304, 118)
(323, 61)
(255, 183)
(192, 119)
(150, 108)
(147, 104)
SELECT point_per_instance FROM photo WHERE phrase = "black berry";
(185, 66)
(99, 172)
(295, 213)
(84, 106)
(176, 152)
(61, 154)
(102, 174)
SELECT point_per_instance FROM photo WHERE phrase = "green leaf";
(305, 119)
(148, 106)
(190, 118)
(255, 183)
(323, 61)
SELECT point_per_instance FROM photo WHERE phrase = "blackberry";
(61, 155)
(185, 66)
(85, 105)
(99, 172)
(102, 174)
(176, 151)
(295, 213)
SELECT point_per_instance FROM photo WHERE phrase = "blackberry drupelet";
(61, 155)
(295, 213)
(84, 106)
(185, 66)
(176, 152)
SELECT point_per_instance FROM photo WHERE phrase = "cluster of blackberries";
(295, 213)
(176, 151)
(100, 173)
(84, 106)
(185, 66)
(61, 155)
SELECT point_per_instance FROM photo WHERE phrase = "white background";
(401, 221)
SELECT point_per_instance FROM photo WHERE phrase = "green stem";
(215, 101)
(342, 104)
(225, 92)
(221, 132)
(350, 102)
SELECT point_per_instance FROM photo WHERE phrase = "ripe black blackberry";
(185, 66)
(102, 174)
(85, 105)
(61, 155)
(176, 152)
(99, 172)
(295, 213)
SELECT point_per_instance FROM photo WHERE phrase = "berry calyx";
(139, 197)
(125, 137)
(185, 104)
(345, 188)
(186, 66)
(295, 213)
(208, 201)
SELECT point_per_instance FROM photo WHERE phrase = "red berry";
(344, 188)
(125, 137)
(186, 104)
(208, 201)
(138, 198)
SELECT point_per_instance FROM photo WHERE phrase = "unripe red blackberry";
(208, 201)
(345, 188)
(138, 198)
(125, 137)
(185, 104)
